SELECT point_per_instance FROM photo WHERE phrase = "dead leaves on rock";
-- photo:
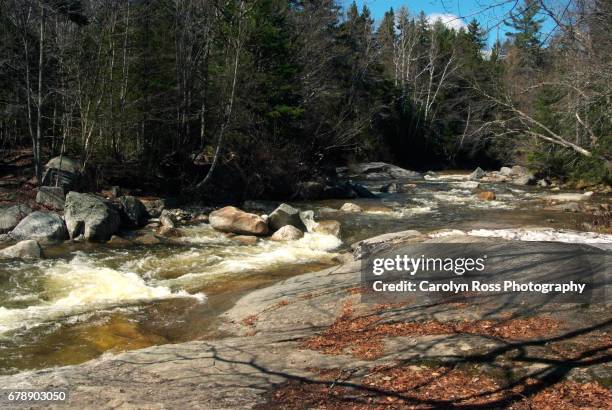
(363, 335)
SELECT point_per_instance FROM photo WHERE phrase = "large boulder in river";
(28, 249)
(42, 226)
(329, 227)
(11, 215)
(90, 215)
(477, 174)
(234, 220)
(285, 215)
(287, 233)
(62, 171)
(133, 212)
(376, 171)
(51, 196)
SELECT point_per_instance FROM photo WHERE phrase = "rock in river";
(51, 197)
(10, 216)
(329, 227)
(351, 207)
(287, 233)
(90, 215)
(133, 212)
(486, 195)
(232, 219)
(285, 215)
(477, 174)
(45, 226)
(28, 249)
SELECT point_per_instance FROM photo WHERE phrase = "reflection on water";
(86, 299)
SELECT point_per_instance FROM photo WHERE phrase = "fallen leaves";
(363, 335)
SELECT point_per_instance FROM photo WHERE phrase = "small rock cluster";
(285, 223)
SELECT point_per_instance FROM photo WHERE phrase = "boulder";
(307, 218)
(133, 212)
(350, 207)
(147, 239)
(167, 219)
(285, 215)
(61, 171)
(310, 189)
(287, 233)
(170, 232)
(119, 242)
(391, 188)
(377, 170)
(11, 215)
(565, 207)
(90, 215)
(42, 226)
(28, 249)
(506, 171)
(477, 174)
(156, 206)
(232, 219)
(329, 227)
(245, 239)
(51, 196)
(486, 195)
(525, 179)
(336, 189)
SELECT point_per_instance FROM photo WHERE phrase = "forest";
(206, 97)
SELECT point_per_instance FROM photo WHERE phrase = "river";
(83, 300)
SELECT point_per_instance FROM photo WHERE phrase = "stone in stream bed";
(329, 227)
(486, 195)
(51, 196)
(119, 242)
(287, 233)
(28, 249)
(477, 174)
(245, 239)
(285, 215)
(233, 220)
(12, 215)
(92, 216)
(41, 226)
(133, 212)
(350, 207)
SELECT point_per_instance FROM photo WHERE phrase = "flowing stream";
(86, 299)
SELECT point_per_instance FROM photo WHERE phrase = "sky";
(455, 13)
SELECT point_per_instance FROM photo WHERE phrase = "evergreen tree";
(525, 33)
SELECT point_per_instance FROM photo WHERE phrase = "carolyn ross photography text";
(476, 286)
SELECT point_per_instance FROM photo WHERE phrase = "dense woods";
(199, 96)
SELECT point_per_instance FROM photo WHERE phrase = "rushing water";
(86, 299)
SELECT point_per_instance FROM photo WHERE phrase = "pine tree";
(477, 35)
(525, 33)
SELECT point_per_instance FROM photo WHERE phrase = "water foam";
(79, 286)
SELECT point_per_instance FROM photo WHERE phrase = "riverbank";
(308, 341)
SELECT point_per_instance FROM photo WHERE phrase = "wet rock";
(285, 215)
(287, 233)
(11, 215)
(119, 242)
(477, 174)
(42, 226)
(90, 215)
(350, 207)
(337, 189)
(147, 239)
(169, 232)
(51, 197)
(203, 218)
(133, 212)
(167, 219)
(245, 239)
(28, 249)
(486, 195)
(525, 179)
(329, 227)
(506, 171)
(156, 206)
(307, 218)
(232, 219)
